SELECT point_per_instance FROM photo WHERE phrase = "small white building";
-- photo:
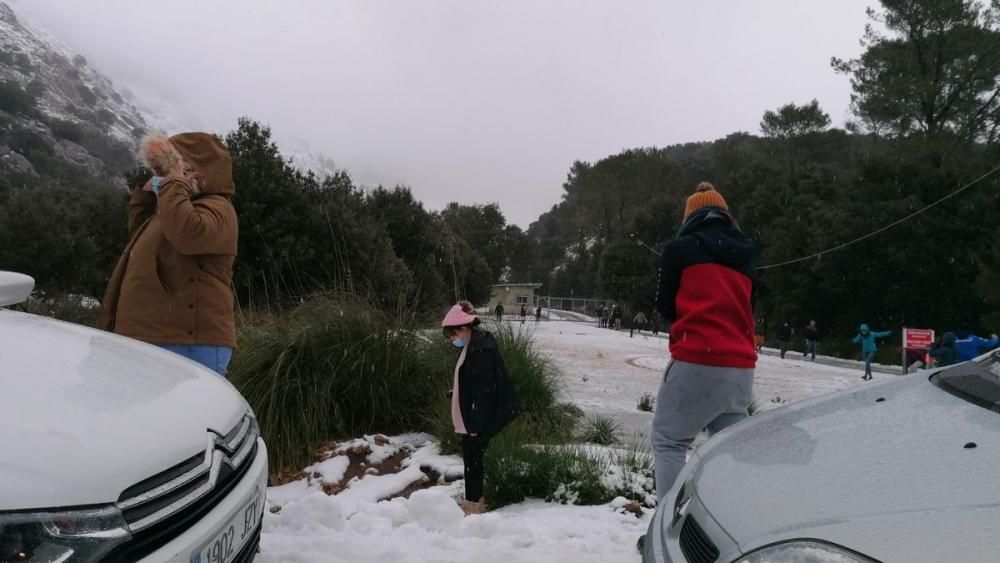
(513, 295)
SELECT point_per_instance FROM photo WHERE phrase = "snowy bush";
(568, 473)
(516, 471)
(647, 402)
(600, 429)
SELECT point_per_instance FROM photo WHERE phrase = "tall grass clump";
(647, 402)
(568, 473)
(334, 367)
(600, 429)
(516, 471)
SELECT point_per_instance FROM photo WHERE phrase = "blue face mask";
(458, 343)
(155, 183)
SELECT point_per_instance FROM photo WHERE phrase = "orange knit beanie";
(704, 196)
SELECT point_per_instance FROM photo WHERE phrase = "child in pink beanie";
(483, 399)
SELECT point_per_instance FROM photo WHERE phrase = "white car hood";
(891, 479)
(89, 413)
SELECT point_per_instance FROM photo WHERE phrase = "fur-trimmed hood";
(203, 151)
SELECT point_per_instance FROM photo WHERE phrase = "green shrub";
(515, 471)
(117, 156)
(106, 117)
(68, 130)
(88, 95)
(29, 143)
(36, 87)
(334, 367)
(632, 465)
(573, 473)
(64, 307)
(14, 99)
(647, 402)
(600, 429)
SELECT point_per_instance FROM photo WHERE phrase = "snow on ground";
(604, 372)
(304, 524)
(429, 527)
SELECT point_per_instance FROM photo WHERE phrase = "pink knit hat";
(459, 315)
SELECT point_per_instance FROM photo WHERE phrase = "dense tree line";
(927, 105)
(300, 234)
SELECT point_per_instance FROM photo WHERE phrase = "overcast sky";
(466, 100)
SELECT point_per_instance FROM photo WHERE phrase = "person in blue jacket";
(866, 338)
(968, 345)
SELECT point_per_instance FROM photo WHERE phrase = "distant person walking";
(655, 320)
(605, 316)
(866, 338)
(499, 311)
(638, 323)
(812, 339)
(483, 399)
(524, 313)
(172, 285)
(704, 289)
(759, 334)
(616, 317)
(538, 314)
(784, 337)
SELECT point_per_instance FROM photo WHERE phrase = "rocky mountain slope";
(59, 117)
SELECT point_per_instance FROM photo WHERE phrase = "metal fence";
(571, 308)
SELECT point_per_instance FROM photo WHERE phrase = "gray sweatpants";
(693, 397)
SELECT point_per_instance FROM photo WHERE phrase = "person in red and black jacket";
(705, 290)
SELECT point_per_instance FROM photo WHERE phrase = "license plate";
(231, 538)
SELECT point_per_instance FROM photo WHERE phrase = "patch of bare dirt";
(357, 468)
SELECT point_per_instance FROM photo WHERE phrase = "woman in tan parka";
(172, 286)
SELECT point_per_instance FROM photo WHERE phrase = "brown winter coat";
(173, 282)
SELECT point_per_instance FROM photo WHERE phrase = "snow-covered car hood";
(88, 414)
(889, 478)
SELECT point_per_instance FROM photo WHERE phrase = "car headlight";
(804, 551)
(72, 536)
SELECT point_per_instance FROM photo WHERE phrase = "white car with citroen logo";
(117, 451)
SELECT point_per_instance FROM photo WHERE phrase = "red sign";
(918, 338)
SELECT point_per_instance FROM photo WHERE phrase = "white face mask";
(155, 183)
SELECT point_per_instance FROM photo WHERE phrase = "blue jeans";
(869, 356)
(810, 349)
(215, 358)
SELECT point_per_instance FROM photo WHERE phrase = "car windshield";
(977, 382)
(992, 364)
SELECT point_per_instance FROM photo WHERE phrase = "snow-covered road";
(606, 372)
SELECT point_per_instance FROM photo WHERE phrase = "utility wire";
(869, 235)
(885, 228)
